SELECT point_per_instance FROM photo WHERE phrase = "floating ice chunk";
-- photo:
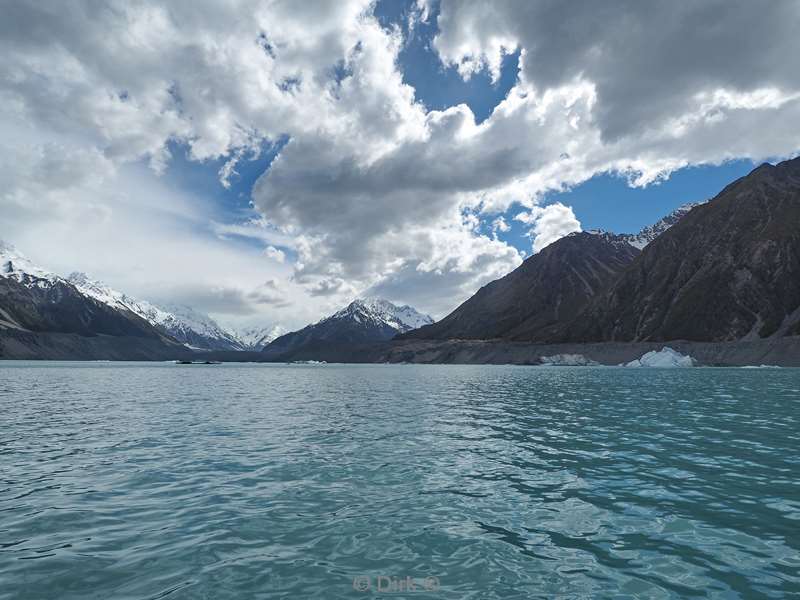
(666, 358)
(568, 360)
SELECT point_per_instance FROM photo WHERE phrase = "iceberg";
(666, 358)
(568, 360)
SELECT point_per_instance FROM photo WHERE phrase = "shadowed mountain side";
(27, 345)
(53, 320)
(549, 288)
(730, 269)
(58, 307)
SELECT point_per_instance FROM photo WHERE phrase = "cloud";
(500, 225)
(372, 191)
(220, 300)
(329, 287)
(647, 62)
(271, 292)
(549, 223)
(275, 254)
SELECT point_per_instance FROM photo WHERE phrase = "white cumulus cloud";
(372, 192)
(549, 223)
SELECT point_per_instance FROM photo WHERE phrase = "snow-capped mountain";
(197, 330)
(103, 293)
(15, 265)
(190, 327)
(255, 338)
(651, 232)
(401, 318)
(45, 315)
(362, 321)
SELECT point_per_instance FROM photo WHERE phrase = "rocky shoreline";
(784, 351)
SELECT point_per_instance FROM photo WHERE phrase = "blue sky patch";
(438, 86)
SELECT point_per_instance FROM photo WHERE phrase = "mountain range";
(36, 299)
(726, 271)
(549, 288)
(43, 315)
(722, 271)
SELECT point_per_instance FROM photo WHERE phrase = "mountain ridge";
(362, 320)
(729, 270)
(723, 270)
(42, 315)
(549, 286)
(192, 328)
(650, 232)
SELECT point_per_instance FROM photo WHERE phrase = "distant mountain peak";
(402, 318)
(364, 320)
(255, 338)
(651, 232)
(15, 265)
(188, 326)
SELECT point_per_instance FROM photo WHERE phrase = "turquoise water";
(145, 481)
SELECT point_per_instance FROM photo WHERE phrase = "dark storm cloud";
(647, 59)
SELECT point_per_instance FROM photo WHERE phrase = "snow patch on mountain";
(651, 232)
(190, 327)
(17, 266)
(379, 311)
(255, 338)
(198, 329)
(115, 299)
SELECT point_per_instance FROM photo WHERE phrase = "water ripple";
(144, 481)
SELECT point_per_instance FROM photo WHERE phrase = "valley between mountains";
(719, 281)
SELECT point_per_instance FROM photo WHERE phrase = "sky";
(268, 161)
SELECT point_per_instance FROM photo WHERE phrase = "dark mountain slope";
(60, 308)
(549, 288)
(728, 270)
(50, 319)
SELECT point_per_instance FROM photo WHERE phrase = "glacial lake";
(146, 480)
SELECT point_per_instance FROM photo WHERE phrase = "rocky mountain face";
(36, 305)
(728, 270)
(549, 288)
(34, 301)
(724, 270)
(361, 321)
